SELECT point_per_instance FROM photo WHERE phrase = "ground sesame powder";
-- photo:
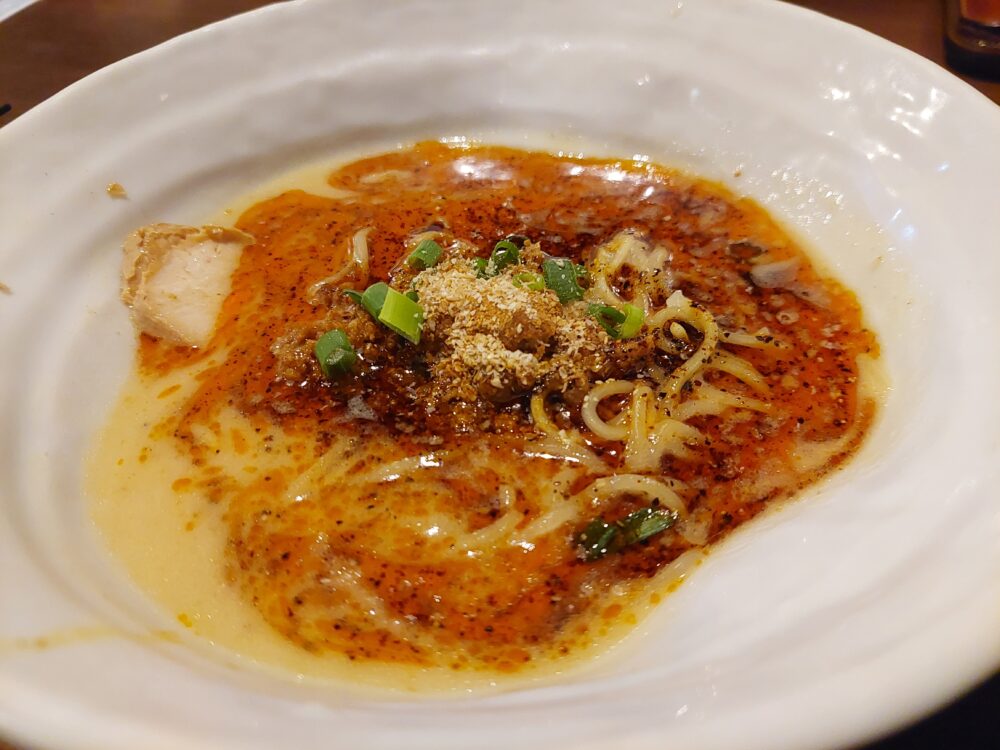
(498, 339)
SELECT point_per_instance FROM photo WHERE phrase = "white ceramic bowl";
(871, 601)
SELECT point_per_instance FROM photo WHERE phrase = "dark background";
(53, 43)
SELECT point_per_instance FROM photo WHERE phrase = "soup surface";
(583, 373)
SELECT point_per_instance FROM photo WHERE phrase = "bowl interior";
(860, 149)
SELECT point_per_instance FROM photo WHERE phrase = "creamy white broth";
(184, 565)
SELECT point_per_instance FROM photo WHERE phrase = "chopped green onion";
(596, 538)
(338, 362)
(643, 524)
(609, 318)
(402, 315)
(372, 299)
(518, 239)
(619, 324)
(412, 294)
(400, 312)
(634, 318)
(335, 353)
(561, 277)
(426, 254)
(529, 280)
(505, 253)
(599, 537)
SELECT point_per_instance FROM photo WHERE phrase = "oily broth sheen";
(285, 537)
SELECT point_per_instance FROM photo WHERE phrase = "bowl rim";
(988, 114)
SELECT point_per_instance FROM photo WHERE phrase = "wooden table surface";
(53, 43)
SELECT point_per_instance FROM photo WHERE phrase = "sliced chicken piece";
(175, 278)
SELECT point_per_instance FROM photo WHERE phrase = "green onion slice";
(372, 299)
(596, 539)
(400, 312)
(335, 354)
(505, 253)
(643, 524)
(561, 277)
(600, 538)
(530, 280)
(402, 315)
(425, 255)
(634, 318)
(609, 318)
(619, 324)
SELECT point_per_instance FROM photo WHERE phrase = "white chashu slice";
(175, 278)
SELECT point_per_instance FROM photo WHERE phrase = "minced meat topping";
(488, 340)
